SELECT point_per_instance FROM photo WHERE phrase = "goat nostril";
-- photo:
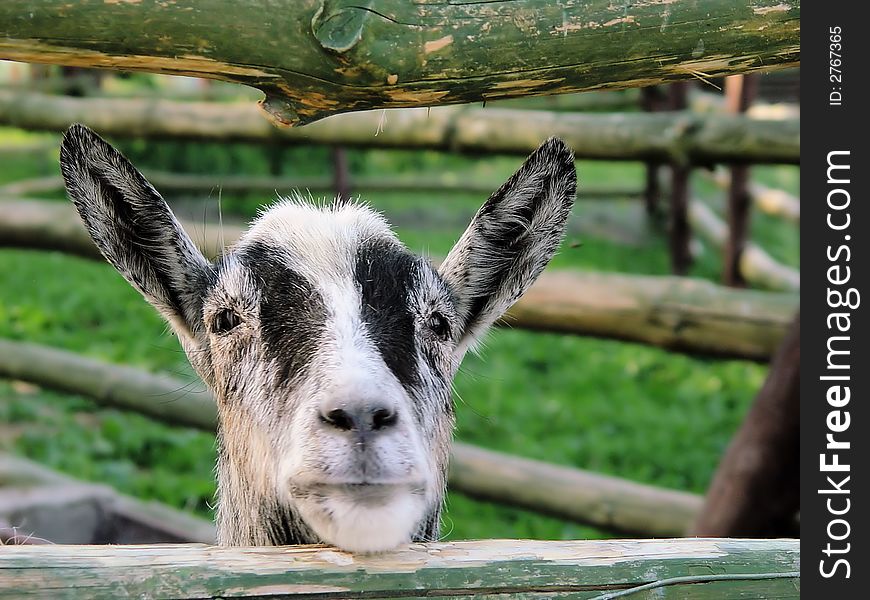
(339, 419)
(383, 418)
(363, 421)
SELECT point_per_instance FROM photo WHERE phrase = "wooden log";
(652, 190)
(49, 504)
(600, 569)
(674, 313)
(756, 489)
(667, 137)
(756, 265)
(195, 184)
(563, 492)
(715, 103)
(679, 231)
(161, 397)
(44, 225)
(313, 59)
(776, 202)
(611, 503)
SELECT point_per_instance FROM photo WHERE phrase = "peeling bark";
(313, 58)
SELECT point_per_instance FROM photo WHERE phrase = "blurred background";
(596, 393)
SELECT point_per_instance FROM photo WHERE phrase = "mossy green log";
(313, 58)
(679, 568)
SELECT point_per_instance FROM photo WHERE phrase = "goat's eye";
(439, 325)
(225, 320)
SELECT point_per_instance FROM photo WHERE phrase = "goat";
(330, 348)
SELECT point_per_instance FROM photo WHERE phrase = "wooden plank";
(585, 569)
(677, 136)
(315, 58)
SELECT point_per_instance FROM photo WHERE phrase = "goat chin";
(364, 527)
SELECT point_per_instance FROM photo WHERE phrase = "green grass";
(618, 408)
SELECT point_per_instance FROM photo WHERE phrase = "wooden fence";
(595, 570)
(667, 136)
(313, 60)
(670, 312)
(608, 502)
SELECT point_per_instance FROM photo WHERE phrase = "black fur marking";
(385, 273)
(292, 312)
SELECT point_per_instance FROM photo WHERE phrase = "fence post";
(340, 174)
(739, 93)
(678, 227)
(652, 99)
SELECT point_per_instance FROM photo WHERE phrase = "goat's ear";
(511, 239)
(134, 228)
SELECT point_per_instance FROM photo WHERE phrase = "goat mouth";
(364, 493)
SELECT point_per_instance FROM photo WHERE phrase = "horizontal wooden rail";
(211, 185)
(57, 508)
(607, 502)
(680, 314)
(701, 567)
(756, 265)
(665, 137)
(314, 58)
(769, 200)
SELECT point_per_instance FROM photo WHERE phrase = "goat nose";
(362, 419)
